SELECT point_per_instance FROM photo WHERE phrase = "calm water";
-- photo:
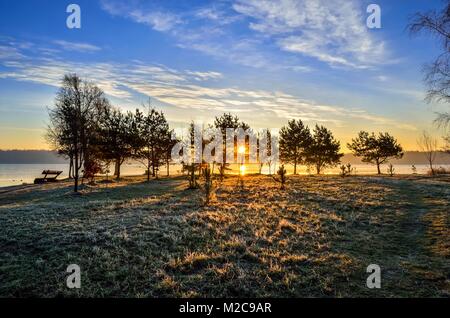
(11, 174)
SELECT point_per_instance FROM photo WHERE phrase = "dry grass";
(157, 239)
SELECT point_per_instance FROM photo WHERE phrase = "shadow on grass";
(155, 239)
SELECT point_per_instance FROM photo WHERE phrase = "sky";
(265, 61)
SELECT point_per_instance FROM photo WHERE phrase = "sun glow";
(241, 150)
(242, 170)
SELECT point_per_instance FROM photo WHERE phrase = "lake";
(12, 174)
(17, 174)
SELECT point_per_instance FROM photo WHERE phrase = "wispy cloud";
(76, 46)
(157, 19)
(217, 13)
(201, 76)
(189, 91)
(8, 52)
(333, 32)
(208, 29)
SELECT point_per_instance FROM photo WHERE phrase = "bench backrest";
(46, 172)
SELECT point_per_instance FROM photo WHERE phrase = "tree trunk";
(295, 167)
(148, 169)
(153, 164)
(168, 167)
(71, 167)
(75, 188)
(431, 167)
(117, 169)
(378, 168)
(318, 169)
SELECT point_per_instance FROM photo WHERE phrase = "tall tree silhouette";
(74, 120)
(375, 150)
(295, 138)
(324, 149)
(117, 137)
(227, 120)
(154, 136)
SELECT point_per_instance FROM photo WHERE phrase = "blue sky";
(266, 61)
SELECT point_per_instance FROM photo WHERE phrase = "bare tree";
(437, 77)
(437, 74)
(443, 121)
(429, 146)
(73, 120)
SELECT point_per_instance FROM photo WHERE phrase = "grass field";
(157, 239)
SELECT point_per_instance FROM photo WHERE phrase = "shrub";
(208, 185)
(191, 169)
(390, 169)
(223, 167)
(91, 169)
(437, 171)
(282, 177)
(346, 170)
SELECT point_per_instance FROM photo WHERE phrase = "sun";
(241, 150)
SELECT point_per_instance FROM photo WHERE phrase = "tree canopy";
(295, 138)
(375, 149)
(324, 149)
(73, 121)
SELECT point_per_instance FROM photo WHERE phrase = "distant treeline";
(30, 157)
(51, 157)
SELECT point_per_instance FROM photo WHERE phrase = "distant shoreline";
(51, 157)
(402, 171)
(30, 157)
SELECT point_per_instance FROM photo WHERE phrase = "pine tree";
(117, 137)
(223, 123)
(324, 149)
(154, 139)
(295, 138)
(375, 150)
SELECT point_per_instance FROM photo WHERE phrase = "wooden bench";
(53, 173)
